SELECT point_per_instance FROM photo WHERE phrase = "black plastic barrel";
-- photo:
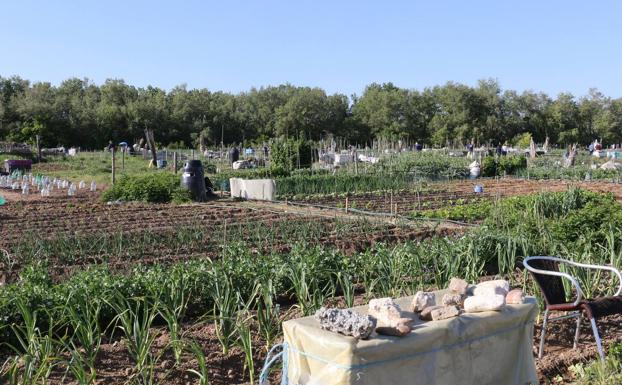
(192, 179)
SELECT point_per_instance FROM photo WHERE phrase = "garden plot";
(238, 269)
(70, 234)
(429, 196)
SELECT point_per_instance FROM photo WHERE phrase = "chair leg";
(599, 344)
(543, 333)
(576, 333)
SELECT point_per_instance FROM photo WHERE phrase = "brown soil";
(61, 215)
(558, 352)
(84, 216)
(437, 195)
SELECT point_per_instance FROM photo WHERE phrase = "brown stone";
(426, 314)
(458, 286)
(515, 297)
(400, 328)
(445, 312)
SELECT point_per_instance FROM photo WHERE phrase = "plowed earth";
(84, 215)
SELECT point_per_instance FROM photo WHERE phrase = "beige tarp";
(481, 348)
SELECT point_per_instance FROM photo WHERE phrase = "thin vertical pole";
(113, 165)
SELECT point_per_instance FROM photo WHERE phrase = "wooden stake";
(113, 165)
(38, 150)
(175, 162)
(346, 205)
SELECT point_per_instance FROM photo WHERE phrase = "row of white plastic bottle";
(42, 184)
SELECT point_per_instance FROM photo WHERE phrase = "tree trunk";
(152, 145)
(572, 154)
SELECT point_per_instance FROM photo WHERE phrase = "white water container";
(474, 169)
(93, 186)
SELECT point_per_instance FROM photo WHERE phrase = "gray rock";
(422, 300)
(452, 299)
(346, 322)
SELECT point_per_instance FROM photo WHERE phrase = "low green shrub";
(503, 165)
(290, 154)
(153, 187)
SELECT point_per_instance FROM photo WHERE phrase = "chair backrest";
(552, 286)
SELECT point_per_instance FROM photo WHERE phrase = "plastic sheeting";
(479, 348)
(261, 189)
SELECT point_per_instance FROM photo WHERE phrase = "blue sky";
(341, 46)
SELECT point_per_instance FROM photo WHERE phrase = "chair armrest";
(612, 269)
(573, 280)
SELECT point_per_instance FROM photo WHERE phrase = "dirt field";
(84, 215)
(443, 194)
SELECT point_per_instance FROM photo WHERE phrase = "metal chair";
(545, 271)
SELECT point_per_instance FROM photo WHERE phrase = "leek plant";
(135, 318)
(225, 299)
(38, 352)
(245, 342)
(268, 311)
(197, 352)
(83, 317)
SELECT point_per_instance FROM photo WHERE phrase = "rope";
(271, 359)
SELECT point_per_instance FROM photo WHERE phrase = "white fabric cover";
(260, 189)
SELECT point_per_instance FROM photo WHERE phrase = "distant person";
(418, 146)
(234, 155)
(110, 146)
(590, 148)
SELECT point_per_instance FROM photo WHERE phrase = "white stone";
(499, 286)
(388, 317)
(385, 311)
(480, 303)
(422, 300)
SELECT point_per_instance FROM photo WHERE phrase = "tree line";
(81, 113)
